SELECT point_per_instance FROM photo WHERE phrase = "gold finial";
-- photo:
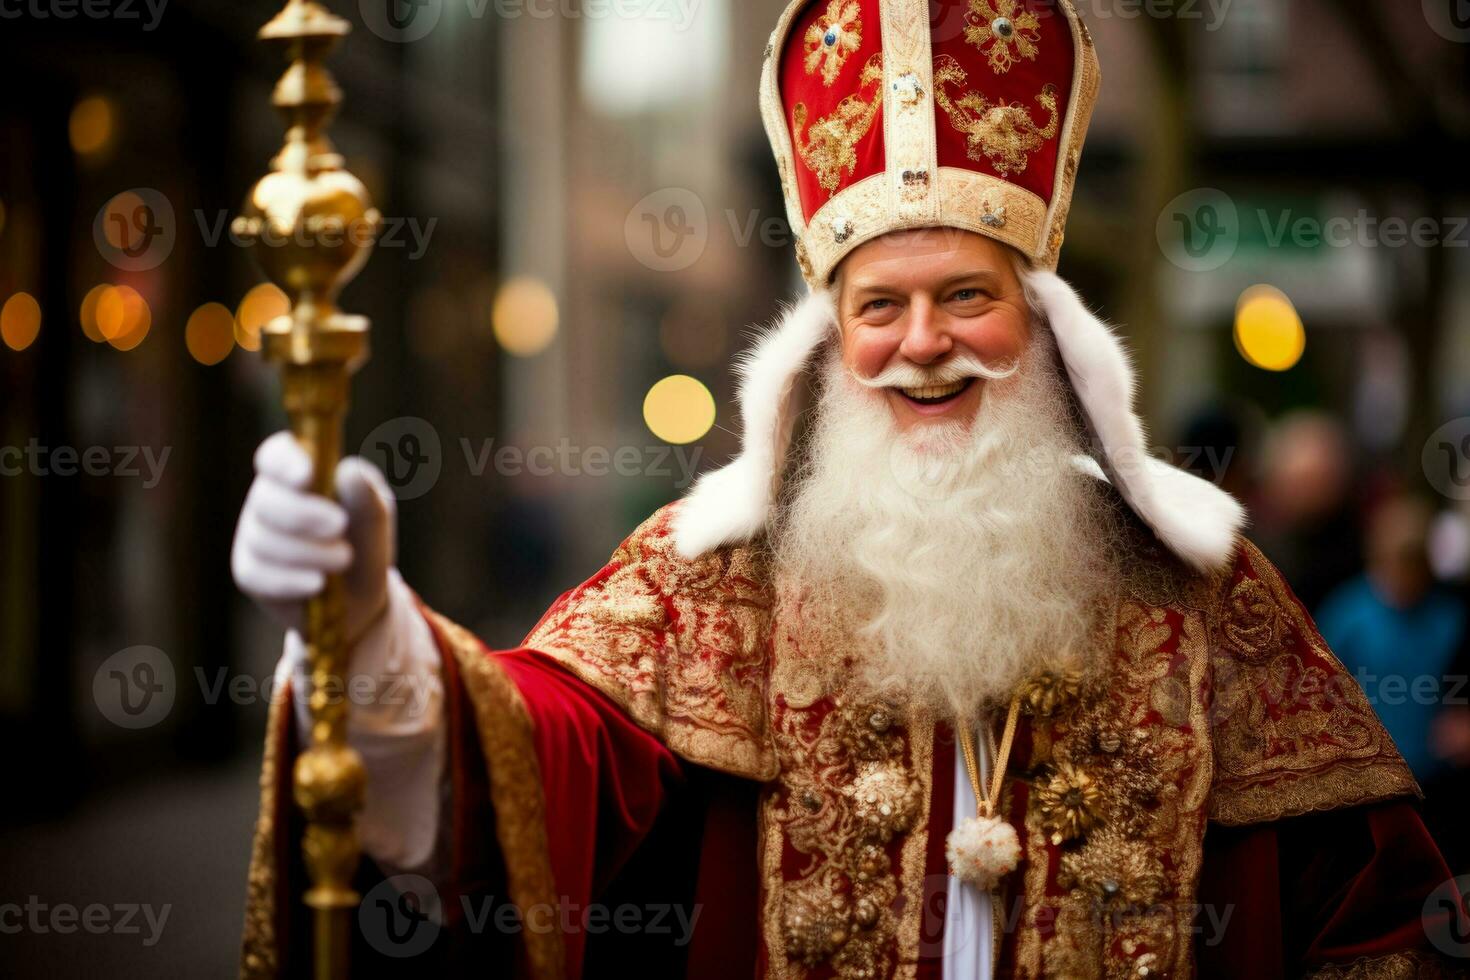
(312, 226)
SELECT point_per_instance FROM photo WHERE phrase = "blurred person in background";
(1404, 636)
(1396, 629)
(960, 682)
(1305, 517)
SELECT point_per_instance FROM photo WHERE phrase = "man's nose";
(926, 339)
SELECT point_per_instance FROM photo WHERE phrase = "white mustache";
(961, 367)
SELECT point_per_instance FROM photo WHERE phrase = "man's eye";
(966, 295)
(878, 304)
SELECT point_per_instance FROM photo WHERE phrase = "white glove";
(289, 539)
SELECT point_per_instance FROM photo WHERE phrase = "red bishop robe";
(1222, 803)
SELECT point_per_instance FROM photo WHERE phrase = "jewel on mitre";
(982, 851)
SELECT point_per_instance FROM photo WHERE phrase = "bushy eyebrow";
(986, 278)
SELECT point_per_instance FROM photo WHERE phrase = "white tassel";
(982, 850)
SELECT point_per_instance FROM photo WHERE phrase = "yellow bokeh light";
(260, 306)
(679, 409)
(92, 125)
(1268, 330)
(89, 313)
(123, 317)
(524, 316)
(210, 333)
(20, 321)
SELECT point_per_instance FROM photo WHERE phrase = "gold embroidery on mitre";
(1004, 133)
(830, 40)
(830, 147)
(1008, 29)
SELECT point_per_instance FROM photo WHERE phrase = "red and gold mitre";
(893, 114)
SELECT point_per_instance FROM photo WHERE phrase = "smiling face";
(925, 316)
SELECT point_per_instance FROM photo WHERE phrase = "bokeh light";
(210, 333)
(20, 321)
(679, 409)
(1268, 330)
(261, 305)
(89, 313)
(524, 316)
(93, 125)
(123, 317)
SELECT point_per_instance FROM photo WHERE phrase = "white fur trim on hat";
(732, 504)
(1192, 517)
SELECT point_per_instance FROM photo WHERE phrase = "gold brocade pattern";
(830, 40)
(1007, 28)
(1395, 966)
(844, 827)
(1115, 810)
(679, 645)
(829, 148)
(260, 946)
(507, 743)
(1293, 731)
(1003, 133)
(1124, 765)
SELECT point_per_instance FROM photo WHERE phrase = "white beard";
(963, 560)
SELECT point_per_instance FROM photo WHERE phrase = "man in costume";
(953, 681)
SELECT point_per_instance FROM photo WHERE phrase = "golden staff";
(315, 226)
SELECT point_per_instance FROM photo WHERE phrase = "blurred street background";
(583, 221)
